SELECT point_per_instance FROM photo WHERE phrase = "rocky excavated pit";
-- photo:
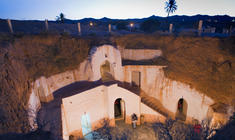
(204, 63)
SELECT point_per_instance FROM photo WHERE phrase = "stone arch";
(119, 109)
(98, 55)
(182, 107)
(106, 71)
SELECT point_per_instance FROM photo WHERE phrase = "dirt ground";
(171, 130)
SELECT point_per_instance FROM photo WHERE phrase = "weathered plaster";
(112, 55)
(33, 107)
(150, 115)
(168, 92)
(140, 54)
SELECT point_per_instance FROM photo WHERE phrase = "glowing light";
(91, 24)
(132, 24)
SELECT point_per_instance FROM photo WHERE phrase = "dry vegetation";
(205, 63)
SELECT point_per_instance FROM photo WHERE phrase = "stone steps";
(151, 102)
(155, 104)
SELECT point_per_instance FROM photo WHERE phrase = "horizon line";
(115, 18)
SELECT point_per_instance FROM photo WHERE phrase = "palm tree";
(60, 18)
(170, 7)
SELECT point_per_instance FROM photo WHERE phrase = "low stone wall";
(44, 87)
(140, 54)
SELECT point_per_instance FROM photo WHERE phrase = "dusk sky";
(121, 9)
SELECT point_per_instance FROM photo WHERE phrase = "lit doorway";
(119, 109)
(181, 113)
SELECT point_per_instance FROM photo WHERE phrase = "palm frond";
(170, 6)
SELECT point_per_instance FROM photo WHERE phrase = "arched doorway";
(119, 109)
(181, 112)
(106, 72)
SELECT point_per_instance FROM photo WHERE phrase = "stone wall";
(140, 54)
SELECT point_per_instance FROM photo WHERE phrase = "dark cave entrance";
(119, 109)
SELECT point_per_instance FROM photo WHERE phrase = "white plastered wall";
(140, 54)
(100, 55)
(151, 115)
(168, 92)
(132, 101)
(98, 103)
(149, 76)
(91, 101)
(198, 104)
(144, 109)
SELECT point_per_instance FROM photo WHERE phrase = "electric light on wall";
(91, 24)
(131, 24)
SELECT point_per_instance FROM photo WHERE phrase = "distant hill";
(219, 18)
(180, 24)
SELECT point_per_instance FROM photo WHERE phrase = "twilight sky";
(121, 9)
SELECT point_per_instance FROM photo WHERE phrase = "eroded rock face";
(14, 93)
(22, 60)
